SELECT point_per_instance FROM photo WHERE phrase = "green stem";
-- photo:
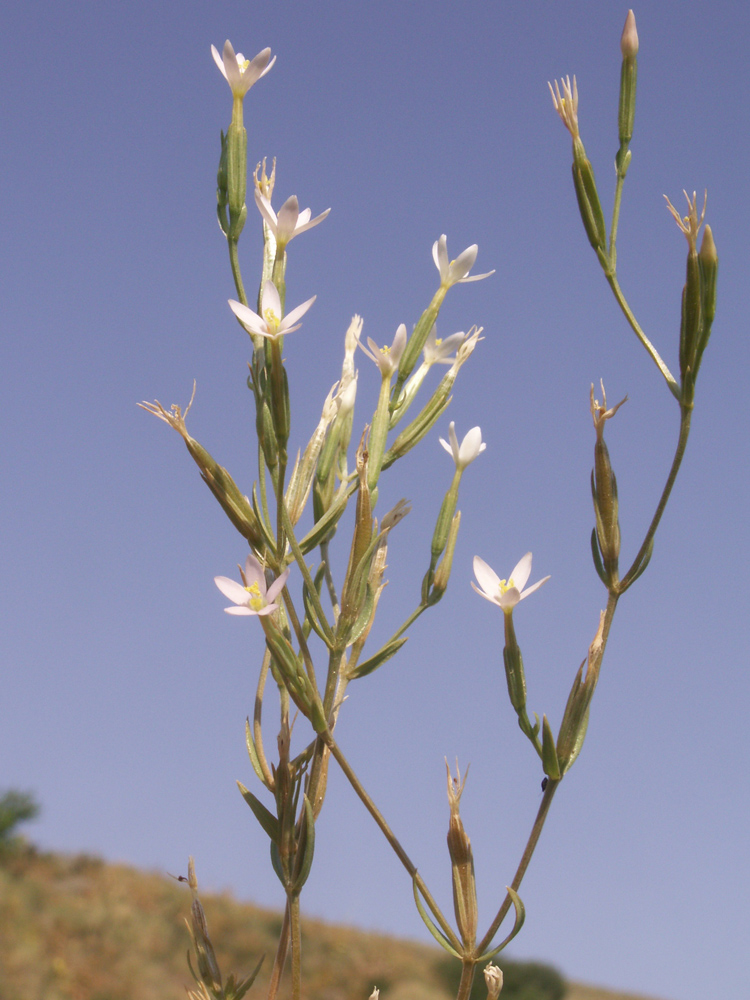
(234, 260)
(304, 649)
(628, 313)
(296, 936)
(390, 837)
(467, 979)
(281, 953)
(536, 830)
(300, 560)
(615, 221)
(685, 418)
(257, 727)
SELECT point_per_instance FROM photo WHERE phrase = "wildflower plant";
(316, 627)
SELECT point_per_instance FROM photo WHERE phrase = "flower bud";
(587, 195)
(604, 492)
(709, 266)
(236, 166)
(628, 74)
(443, 572)
(493, 978)
(462, 864)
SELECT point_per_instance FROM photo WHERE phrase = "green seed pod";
(462, 866)
(628, 74)
(708, 260)
(416, 342)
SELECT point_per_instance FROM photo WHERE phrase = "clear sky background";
(125, 686)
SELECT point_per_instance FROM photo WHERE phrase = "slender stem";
(263, 487)
(685, 418)
(536, 830)
(300, 559)
(390, 837)
(628, 313)
(292, 613)
(467, 979)
(330, 581)
(615, 221)
(296, 936)
(234, 260)
(281, 953)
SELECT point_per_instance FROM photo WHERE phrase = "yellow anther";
(385, 350)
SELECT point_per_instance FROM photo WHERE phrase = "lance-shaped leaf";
(267, 820)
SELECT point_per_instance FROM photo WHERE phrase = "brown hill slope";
(75, 928)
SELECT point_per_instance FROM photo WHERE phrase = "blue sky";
(125, 687)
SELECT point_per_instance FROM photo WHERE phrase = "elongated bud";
(417, 341)
(587, 195)
(462, 864)
(604, 492)
(208, 967)
(222, 195)
(513, 661)
(355, 582)
(709, 266)
(628, 75)
(629, 39)
(236, 165)
(576, 716)
(493, 980)
(443, 572)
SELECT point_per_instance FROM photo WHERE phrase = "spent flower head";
(241, 73)
(387, 358)
(599, 411)
(471, 446)
(566, 103)
(251, 596)
(452, 272)
(290, 222)
(690, 223)
(269, 324)
(505, 593)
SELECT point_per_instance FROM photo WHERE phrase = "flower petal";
(277, 586)
(252, 322)
(521, 572)
(531, 589)
(231, 589)
(265, 209)
(218, 61)
(461, 266)
(244, 610)
(296, 313)
(487, 579)
(481, 593)
(254, 573)
(471, 446)
(287, 219)
(440, 256)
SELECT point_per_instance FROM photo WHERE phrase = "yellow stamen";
(256, 601)
(506, 585)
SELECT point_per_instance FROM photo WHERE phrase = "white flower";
(270, 324)
(387, 358)
(471, 446)
(252, 598)
(454, 271)
(505, 593)
(290, 222)
(241, 73)
(436, 350)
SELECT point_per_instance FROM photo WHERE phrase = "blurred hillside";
(76, 928)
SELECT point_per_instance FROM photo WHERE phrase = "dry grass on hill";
(75, 928)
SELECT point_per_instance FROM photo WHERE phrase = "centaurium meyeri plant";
(316, 627)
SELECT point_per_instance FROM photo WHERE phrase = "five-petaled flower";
(269, 324)
(251, 596)
(241, 73)
(454, 271)
(505, 593)
(387, 358)
(290, 222)
(471, 446)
